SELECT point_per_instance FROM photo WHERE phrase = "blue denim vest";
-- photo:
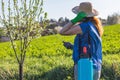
(91, 39)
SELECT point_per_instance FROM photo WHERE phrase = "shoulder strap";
(94, 30)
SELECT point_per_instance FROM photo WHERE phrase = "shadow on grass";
(58, 73)
(110, 72)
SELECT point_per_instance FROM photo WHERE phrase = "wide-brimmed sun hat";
(87, 8)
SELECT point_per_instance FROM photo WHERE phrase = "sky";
(62, 8)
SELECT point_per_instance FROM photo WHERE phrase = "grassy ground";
(47, 59)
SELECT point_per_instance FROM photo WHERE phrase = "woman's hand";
(67, 45)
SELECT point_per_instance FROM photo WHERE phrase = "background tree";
(61, 21)
(113, 19)
(21, 21)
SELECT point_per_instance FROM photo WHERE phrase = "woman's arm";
(66, 27)
(70, 29)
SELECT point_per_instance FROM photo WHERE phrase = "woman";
(84, 23)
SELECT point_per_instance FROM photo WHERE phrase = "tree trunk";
(20, 71)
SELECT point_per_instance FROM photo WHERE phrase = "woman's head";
(91, 13)
(87, 8)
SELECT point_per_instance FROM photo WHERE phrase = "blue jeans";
(96, 73)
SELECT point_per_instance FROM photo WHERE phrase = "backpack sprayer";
(85, 66)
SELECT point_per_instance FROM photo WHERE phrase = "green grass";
(47, 59)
